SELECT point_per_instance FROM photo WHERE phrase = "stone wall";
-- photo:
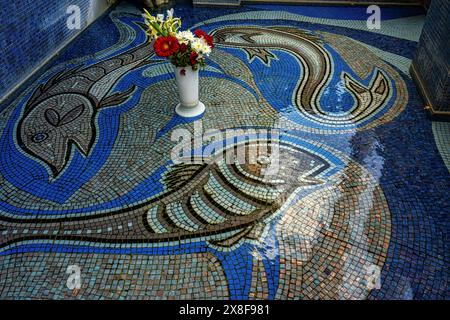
(32, 31)
(431, 64)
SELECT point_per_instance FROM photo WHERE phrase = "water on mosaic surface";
(316, 209)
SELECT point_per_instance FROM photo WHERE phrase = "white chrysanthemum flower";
(197, 45)
(200, 46)
(206, 49)
(185, 36)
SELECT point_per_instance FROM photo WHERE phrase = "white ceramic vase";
(187, 82)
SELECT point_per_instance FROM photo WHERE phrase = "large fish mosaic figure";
(62, 111)
(317, 70)
(218, 200)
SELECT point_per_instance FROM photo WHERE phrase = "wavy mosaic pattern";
(316, 72)
(87, 179)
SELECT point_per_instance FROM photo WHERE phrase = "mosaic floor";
(354, 205)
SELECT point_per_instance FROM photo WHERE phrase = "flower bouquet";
(187, 51)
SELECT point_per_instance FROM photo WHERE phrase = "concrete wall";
(431, 64)
(32, 31)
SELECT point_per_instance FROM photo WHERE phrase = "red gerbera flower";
(166, 46)
(202, 34)
(209, 41)
(193, 57)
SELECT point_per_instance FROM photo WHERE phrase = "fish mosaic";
(317, 68)
(223, 201)
(61, 113)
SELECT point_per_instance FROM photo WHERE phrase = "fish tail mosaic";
(310, 211)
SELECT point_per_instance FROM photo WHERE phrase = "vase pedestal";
(190, 112)
(187, 83)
